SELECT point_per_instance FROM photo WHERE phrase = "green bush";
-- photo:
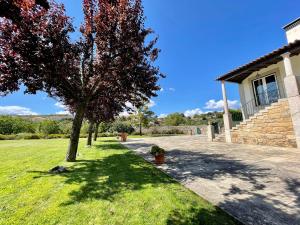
(166, 132)
(32, 136)
(49, 127)
(55, 136)
(156, 150)
(67, 136)
(84, 128)
(7, 137)
(122, 127)
(65, 126)
(173, 131)
(15, 125)
(108, 135)
(21, 136)
(28, 136)
(175, 119)
(83, 135)
(237, 115)
(104, 127)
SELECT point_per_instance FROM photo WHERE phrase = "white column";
(292, 92)
(242, 98)
(210, 132)
(227, 116)
(226, 108)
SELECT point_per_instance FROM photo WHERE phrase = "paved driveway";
(256, 184)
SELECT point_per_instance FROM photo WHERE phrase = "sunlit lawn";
(108, 185)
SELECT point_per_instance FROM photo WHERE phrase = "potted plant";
(158, 153)
(123, 136)
(123, 129)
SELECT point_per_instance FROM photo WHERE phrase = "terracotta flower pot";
(160, 159)
(123, 137)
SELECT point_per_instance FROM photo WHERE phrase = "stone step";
(259, 114)
(220, 138)
(269, 126)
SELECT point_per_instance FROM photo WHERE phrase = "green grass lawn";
(108, 185)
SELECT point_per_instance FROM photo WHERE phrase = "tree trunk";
(96, 131)
(90, 135)
(75, 133)
(140, 128)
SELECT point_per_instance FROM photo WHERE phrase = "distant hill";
(38, 118)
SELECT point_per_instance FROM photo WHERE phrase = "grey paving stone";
(257, 184)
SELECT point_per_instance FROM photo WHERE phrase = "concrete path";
(256, 184)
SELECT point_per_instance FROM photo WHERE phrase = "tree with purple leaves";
(112, 57)
(101, 110)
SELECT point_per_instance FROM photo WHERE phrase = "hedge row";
(29, 136)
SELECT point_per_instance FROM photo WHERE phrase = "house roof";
(292, 24)
(239, 74)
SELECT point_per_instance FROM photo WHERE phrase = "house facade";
(269, 89)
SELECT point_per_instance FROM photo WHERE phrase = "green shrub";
(65, 126)
(104, 127)
(175, 119)
(237, 115)
(108, 135)
(32, 136)
(55, 136)
(27, 136)
(122, 127)
(21, 136)
(156, 150)
(166, 132)
(67, 136)
(7, 137)
(49, 127)
(15, 125)
(84, 128)
(83, 135)
(173, 131)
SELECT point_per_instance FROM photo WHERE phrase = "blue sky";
(200, 40)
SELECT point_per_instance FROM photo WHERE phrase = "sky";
(199, 41)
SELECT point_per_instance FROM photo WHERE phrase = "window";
(266, 90)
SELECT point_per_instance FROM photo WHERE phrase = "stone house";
(269, 89)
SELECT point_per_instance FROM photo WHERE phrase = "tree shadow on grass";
(108, 177)
(200, 216)
(110, 146)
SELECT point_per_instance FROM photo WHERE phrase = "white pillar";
(226, 108)
(210, 133)
(242, 97)
(227, 116)
(292, 92)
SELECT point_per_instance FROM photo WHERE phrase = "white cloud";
(151, 104)
(16, 110)
(60, 105)
(63, 113)
(172, 89)
(129, 105)
(132, 109)
(64, 108)
(217, 105)
(124, 114)
(193, 112)
(161, 116)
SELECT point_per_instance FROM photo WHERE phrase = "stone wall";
(188, 130)
(271, 126)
